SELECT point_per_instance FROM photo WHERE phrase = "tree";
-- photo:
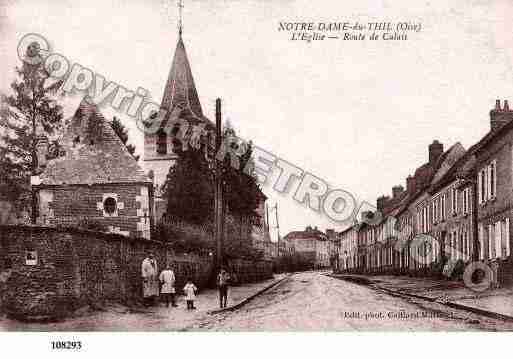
(122, 133)
(30, 111)
(189, 187)
(189, 190)
(242, 193)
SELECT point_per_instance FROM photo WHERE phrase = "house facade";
(494, 172)
(348, 249)
(95, 182)
(312, 246)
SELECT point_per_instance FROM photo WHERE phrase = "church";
(180, 100)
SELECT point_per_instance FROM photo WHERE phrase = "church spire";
(180, 25)
(180, 90)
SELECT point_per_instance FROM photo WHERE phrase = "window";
(491, 241)
(436, 210)
(482, 186)
(442, 205)
(493, 179)
(486, 242)
(460, 246)
(161, 142)
(426, 222)
(454, 200)
(481, 241)
(506, 240)
(464, 245)
(498, 235)
(487, 182)
(494, 240)
(110, 206)
(465, 200)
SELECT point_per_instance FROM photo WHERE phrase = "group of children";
(167, 280)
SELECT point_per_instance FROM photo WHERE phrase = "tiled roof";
(94, 154)
(306, 234)
(465, 164)
(180, 90)
(420, 189)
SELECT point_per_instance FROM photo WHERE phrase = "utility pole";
(277, 227)
(218, 198)
(267, 217)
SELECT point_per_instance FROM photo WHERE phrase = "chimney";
(381, 203)
(330, 233)
(410, 184)
(500, 116)
(41, 151)
(435, 151)
(397, 190)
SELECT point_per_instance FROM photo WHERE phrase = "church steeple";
(181, 101)
(180, 89)
(180, 25)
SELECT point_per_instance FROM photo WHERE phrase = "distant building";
(286, 247)
(348, 249)
(312, 246)
(333, 248)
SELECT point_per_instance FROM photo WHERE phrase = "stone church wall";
(49, 272)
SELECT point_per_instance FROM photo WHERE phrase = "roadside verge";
(250, 298)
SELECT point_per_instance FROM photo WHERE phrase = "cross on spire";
(180, 25)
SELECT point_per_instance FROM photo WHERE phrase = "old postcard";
(187, 165)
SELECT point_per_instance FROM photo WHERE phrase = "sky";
(357, 114)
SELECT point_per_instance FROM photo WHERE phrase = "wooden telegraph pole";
(219, 200)
(277, 228)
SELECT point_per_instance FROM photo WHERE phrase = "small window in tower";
(110, 206)
(161, 142)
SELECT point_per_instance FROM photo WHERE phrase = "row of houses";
(456, 208)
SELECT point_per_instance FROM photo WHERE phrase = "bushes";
(185, 238)
(193, 238)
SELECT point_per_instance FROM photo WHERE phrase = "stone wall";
(49, 272)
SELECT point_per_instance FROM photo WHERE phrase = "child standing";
(190, 294)
(167, 278)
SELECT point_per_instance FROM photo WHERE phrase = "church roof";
(94, 154)
(180, 90)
